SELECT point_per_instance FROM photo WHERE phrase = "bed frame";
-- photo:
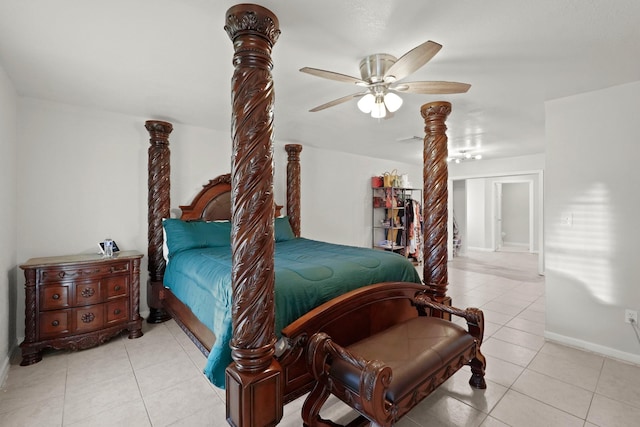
(261, 380)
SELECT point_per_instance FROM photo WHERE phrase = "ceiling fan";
(381, 74)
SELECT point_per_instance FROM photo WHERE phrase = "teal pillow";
(283, 229)
(185, 235)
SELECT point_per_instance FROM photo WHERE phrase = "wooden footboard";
(366, 310)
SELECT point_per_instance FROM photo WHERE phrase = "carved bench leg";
(478, 365)
(312, 405)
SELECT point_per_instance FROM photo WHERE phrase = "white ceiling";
(171, 60)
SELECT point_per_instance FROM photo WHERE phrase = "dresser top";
(79, 259)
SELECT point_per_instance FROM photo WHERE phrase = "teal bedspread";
(308, 273)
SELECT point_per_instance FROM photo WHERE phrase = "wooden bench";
(387, 372)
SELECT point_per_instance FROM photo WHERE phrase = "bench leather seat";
(414, 350)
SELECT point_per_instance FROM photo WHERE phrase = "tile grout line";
(135, 376)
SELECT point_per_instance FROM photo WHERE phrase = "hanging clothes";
(414, 229)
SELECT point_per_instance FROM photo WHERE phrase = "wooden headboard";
(213, 202)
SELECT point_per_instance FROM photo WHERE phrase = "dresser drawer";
(117, 286)
(54, 297)
(89, 318)
(87, 293)
(118, 267)
(57, 274)
(79, 272)
(55, 323)
(117, 310)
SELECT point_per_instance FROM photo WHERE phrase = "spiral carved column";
(135, 323)
(435, 174)
(159, 204)
(30, 354)
(253, 380)
(293, 186)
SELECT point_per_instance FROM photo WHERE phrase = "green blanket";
(308, 273)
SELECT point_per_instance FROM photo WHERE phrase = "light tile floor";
(156, 380)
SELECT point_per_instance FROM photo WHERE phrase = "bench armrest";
(375, 376)
(473, 316)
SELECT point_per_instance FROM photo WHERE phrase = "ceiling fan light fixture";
(463, 155)
(379, 110)
(392, 101)
(366, 103)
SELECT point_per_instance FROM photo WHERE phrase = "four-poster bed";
(308, 272)
(265, 375)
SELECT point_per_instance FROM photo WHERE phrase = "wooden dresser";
(79, 301)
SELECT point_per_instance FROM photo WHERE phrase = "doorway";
(513, 216)
(474, 202)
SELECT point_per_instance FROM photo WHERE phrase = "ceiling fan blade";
(333, 76)
(431, 88)
(412, 60)
(338, 101)
(409, 139)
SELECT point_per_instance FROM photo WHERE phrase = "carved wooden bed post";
(159, 203)
(435, 174)
(254, 379)
(293, 186)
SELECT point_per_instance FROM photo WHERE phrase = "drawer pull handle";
(56, 296)
(118, 269)
(97, 270)
(88, 317)
(117, 287)
(88, 292)
(55, 323)
(116, 311)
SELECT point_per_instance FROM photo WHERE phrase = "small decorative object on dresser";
(79, 301)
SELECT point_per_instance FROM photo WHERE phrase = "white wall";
(498, 167)
(476, 213)
(8, 219)
(336, 203)
(591, 219)
(82, 176)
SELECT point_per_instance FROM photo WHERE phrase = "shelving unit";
(391, 221)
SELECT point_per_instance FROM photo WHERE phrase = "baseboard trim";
(472, 248)
(517, 244)
(595, 348)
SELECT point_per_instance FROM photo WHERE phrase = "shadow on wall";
(581, 245)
